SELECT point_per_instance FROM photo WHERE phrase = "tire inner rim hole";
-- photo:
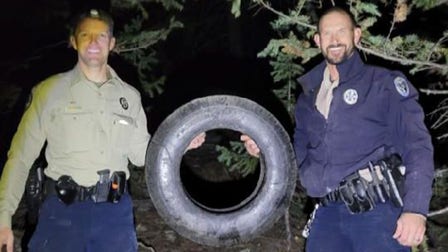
(214, 185)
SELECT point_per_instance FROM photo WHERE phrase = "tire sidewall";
(165, 153)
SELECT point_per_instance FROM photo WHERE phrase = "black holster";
(34, 190)
(360, 194)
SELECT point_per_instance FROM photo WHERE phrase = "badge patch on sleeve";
(350, 96)
(28, 102)
(402, 86)
(124, 103)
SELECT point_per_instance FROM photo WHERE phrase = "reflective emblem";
(402, 86)
(94, 13)
(350, 96)
(124, 103)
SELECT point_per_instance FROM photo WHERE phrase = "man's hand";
(411, 229)
(197, 141)
(6, 238)
(251, 146)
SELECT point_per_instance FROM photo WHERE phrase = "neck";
(95, 74)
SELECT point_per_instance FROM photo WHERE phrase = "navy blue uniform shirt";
(374, 112)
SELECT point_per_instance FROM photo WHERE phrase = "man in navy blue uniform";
(351, 114)
(351, 117)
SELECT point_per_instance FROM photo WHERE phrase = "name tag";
(73, 108)
(123, 120)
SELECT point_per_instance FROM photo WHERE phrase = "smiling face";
(93, 41)
(337, 37)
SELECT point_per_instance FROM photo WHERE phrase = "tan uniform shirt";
(325, 94)
(87, 129)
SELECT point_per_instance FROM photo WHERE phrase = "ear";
(73, 42)
(112, 43)
(357, 35)
(316, 38)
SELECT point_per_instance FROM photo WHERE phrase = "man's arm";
(25, 148)
(413, 141)
(300, 135)
(139, 139)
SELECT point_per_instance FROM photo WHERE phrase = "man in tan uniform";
(93, 123)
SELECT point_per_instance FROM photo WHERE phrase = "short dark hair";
(338, 10)
(95, 14)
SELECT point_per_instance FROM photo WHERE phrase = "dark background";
(213, 54)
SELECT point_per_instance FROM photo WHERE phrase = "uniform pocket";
(78, 131)
(122, 129)
(314, 141)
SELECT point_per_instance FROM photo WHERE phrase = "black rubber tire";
(164, 155)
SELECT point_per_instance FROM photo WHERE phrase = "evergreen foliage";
(237, 159)
(418, 53)
(137, 41)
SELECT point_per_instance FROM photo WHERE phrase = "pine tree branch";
(442, 136)
(369, 50)
(433, 91)
(441, 173)
(281, 14)
(403, 61)
(288, 230)
(438, 212)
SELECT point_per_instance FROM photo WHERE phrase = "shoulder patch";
(401, 85)
(28, 102)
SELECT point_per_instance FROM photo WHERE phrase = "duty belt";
(106, 190)
(376, 183)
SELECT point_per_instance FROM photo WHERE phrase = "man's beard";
(335, 61)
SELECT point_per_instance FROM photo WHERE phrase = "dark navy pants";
(85, 227)
(335, 229)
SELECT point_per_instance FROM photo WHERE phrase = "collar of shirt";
(347, 69)
(325, 94)
(79, 77)
(327, 83)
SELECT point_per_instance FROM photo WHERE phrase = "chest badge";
(124, 103)
(350, 96)
(402, 86)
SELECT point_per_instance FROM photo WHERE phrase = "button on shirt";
(87, 129)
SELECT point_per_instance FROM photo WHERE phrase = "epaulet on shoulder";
(131, 88)
(50, 84)
(50, 80)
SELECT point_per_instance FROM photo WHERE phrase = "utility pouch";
(117, 186)
(66, 189)
(394, 173)
(379, 186)
(354, 193)
(101, 190)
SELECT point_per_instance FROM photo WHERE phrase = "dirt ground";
(154, 234)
